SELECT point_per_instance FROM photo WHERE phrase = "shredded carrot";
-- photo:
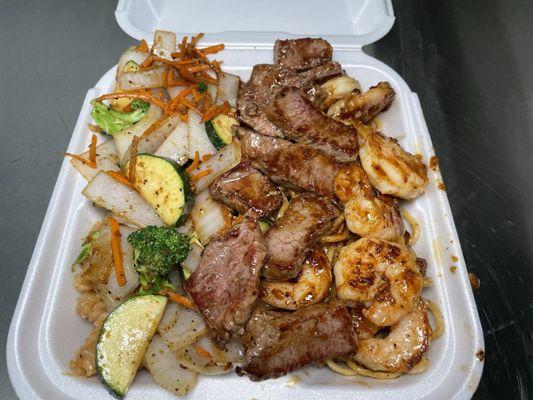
(120, 177)
(133, 158)
(196, 38)
(206, 157)
(213, 49)
(201, 174)
(184, 301)
(155, 126)
(214, 111)
(116, 250)
(92, 149)
(143, 46)
(187, 103)
(208, 77)
(198, 68)
(89, 163)
(201, 351)
(135, 95)
(94, 128)
(194, 163)
(185, 74)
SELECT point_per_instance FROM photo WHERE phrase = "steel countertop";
(469, 62)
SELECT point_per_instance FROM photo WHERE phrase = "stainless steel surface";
(470, 63)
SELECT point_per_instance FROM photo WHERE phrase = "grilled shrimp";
(404, 346)
(363, 106)
(311, 287)
(367, 213)
(381, 274)
(390, 168)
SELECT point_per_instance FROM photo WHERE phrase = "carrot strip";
(213, 49)
(206, 157)
(143, 46)
(120, 177)
(196, 38)
(185, 74)
(184, 117)
(208, 78)
(155, 126)
(92, 150)
(213, 112)
(201, 174)
(198, 68)
(133, 158)
(194, 163)
(117, 251)
(187, 103)
(184, 301)
(201, 351)
(89, 163)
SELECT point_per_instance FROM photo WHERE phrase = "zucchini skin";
(110, 389)
(213, 135)
(188, 193)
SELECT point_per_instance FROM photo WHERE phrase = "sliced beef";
(244, 188)
(323, 72)
(255, 145)
(300, 167)
(255, 95)
(303, 122)
(225, 285)
(306, 219)
(302, 54)
(278, 343)
(365, 106)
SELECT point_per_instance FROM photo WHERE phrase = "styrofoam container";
(46, 331)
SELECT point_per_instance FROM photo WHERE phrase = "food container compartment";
(46, 331)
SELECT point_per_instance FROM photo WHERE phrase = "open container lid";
(344, 23)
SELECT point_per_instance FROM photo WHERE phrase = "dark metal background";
(470, 63)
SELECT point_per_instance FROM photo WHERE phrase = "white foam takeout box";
(46, 331)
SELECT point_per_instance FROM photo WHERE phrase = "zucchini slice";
(165, 186)
(123, 340)
(219, 130)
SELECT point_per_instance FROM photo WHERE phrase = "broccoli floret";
(157, 250)
(113, 121)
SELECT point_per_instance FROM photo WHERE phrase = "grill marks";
(304, 123)
(277, 343)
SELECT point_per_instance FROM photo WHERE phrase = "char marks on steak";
(323, 72)
(278, 343)
(304, 123)
(307, 218)
(302, 54)
(300, 167)
(244, 188)
(225, 285)
(255, 95)
(254, 145)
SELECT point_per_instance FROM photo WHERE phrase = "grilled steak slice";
(365, 106)
(225, 285)
(323, 72)
(302, 54)
(306, 219)
(300, 167)
(244, 188)
(255, 145)
(278, 343)
(255, 95)
(306, 124)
